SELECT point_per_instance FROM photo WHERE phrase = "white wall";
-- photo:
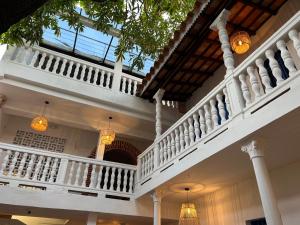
(240, 202)
(273, 24)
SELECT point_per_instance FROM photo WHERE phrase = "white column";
(219, 25)
(117, 76)
(158, 98)
(92, 219)
(2, 102)
(100, 148)
(156, 197)
(265, 188)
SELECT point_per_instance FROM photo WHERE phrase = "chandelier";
(107, 135)
(40, 123)
(188, 213)
(240, 42)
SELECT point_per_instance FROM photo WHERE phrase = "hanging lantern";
(240, 42)
(40, 123)
(107, 135)
(188, 213)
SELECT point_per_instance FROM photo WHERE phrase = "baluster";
(274, 66)
(5, 163)
(30, 166)
(186, 134)
(146, 164)
(196, 126)
(191, 130)
(173, 148)
(12, 166)
(149, 162)
(70, 67)
(135, 87)
(63, 67)
(20, 54)
(165, 150)
(202, 122)
(119, 179)
(110, 80)
(37, 168)
(161, 153)
(85, 173)
(131, 181)
(112, 179)
(78, 174)
(55, 66)
(45, 170)
(27, 55)
(169, 153)
(93, 176)
(99, 177)
(125, 180)
(34, 58)
(221, 107)
(96, 76)
(208, 118)
(53, 170)
(71, 173)
(102, 78)
(105, 186)
(123, 88)
(143, 166)
(82, 74)
(227, 102)
(286, 57)
(177, 144)
(130, 86)
(41, 63)
(254, 82)
(294, 36)
(76, 71)
(214, 112)
(89, 75)
(22, 164)
(181, 137)
(49, 62)
(245, 89)
(263, 73)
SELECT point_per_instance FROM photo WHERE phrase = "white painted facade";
(172, 150)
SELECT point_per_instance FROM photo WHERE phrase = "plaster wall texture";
(289, 9)
(241, 202)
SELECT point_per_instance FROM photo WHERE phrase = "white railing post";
(117, 76)
(62, 171)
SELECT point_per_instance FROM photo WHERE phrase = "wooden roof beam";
(238, 27)
(259, 6)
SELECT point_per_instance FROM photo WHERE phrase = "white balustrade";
(129, 84)
(39, 166)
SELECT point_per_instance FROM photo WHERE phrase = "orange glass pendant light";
(188, 213)
(40, 123)
(108, 135)
(240, 42)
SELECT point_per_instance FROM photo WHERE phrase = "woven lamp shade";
(188, 215)
(240, 42)
(39, 123)
(107, 136)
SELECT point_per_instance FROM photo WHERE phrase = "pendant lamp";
(107, 135)
(40, 123)
(188, 213)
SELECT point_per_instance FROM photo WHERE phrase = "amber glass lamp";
(108, 135)
(40, 123)
(188, 212)
(240, 42)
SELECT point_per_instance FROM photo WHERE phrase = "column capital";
(252, 149)
(3, 99)
(157, 196)
(159, 95)
(221, 20)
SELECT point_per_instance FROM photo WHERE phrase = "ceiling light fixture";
(40, 123)
(188, 213)
(240, 42)
(107, 135)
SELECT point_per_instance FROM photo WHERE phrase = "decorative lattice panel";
(35, 140)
